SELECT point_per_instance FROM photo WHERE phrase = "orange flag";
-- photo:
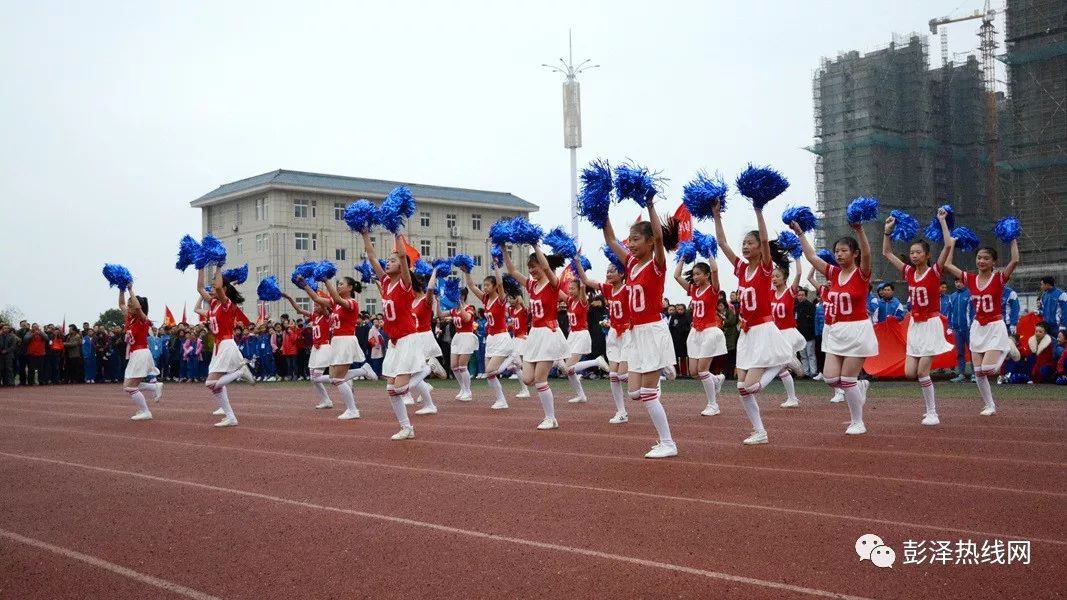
(411, 252)
(168, 317)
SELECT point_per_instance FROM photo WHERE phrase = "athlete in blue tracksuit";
(960, 316)
(1052, 304)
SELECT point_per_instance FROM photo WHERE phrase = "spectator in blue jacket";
(1052, 304)
(1009, 305)
(886, 305)
(945, 300)
(960, 316)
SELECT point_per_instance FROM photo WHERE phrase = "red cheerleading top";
(705, 306)
(543, 304)
(496, 321)
(986, 298)
(783, 308)
(320, 328)
(457, 319)
(519, 322)
(578, 315)
(423, 309)
(646, 290)
(847, 300)
(754, 293)
(397, 299)
(221, 317)
(618, 307)
(137, 332)
(924, 292)
(344, 317)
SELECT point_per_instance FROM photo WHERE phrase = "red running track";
(295, 504)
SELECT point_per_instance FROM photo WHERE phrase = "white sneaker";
(790, 403)
(324, 404)
(719, 379)
(405, 433)
(465, 397)
(143, 415)
(856, 429)
(839, 397)
(436, 369)
(757, 437)
(603, 364)
(227, 422)
(514, 376)
(348, 415)
(499, 405)
(427, 410)
(619, 419)
(710, 410)
(408, 400)
(219, 412)
(523, 394)
(931, 419)
(549, 424)
(817, 377)
(480, 376)
(988, 411)
(662, 450)
(576, 400)
(159, 391)
(670, 372)
(368, 372)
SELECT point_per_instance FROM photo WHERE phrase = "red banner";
(685, 223)
(892, 349)
(168, 317)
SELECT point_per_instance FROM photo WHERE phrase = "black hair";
(887, 284)
(1049, 280)
(670, 226)
(704, 268)
(463, 294)
(232, 293)
(852, 244)
(512, 287)
(779, 255)
(555, 261)
(1046, 326)
(992, 252)
(491, 280)
(356, 286)
(144, 304)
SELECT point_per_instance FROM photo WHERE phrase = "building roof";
(355, 186)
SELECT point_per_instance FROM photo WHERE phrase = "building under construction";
(888, 126)
(1033, 161)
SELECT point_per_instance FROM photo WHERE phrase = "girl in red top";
(645, 258)
(321, 351)
(498, 345)
(423, 308)
(617, 300)
(579, 342)
(926, 332)
(706, 339)
(848, 338)
(464, 343)
(783, 311)
(227, 363)
(140, 365)
(762, 351)
(545, 343)
(989, 336)
(404, 356)
(519, 327)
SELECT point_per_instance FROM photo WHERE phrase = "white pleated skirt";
(499, 344)
(579, 342)
(227, 358)
(927, 338)
(544, 344)
(763, 347)
(991, 337)
(855, 339)
(650, 348)
(464, 343)
(141, 364)
(708, 343)
(321, 357)
(404, 356)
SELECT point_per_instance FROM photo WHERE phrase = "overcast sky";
(115, 115)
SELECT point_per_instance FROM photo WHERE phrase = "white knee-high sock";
(320, 389)
(223, 400)
(228, 378)
(616, 394)
(424, 392)
(707, 380)
(576, 384)
(318, 376)
(419, 376)
(345, 389)
(396, 398)
(148, 387)
(927, 386)
(463, 376)
(544, 393)
(583, 365)
(768, 377)
(497, 389)
(748, 402)
(790, 387)
(853, 397)
(650, 398)
(982, 374)
(138, 399)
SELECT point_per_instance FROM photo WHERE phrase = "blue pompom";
(497, 254)
(827, 257)
(614, 260)
(966, 240)
(594, 199)
(803, 217)
(1061, 380)
(361, 215)
(788, 241)
(268, 289)
(422, 269)
(324, 270)
(307, 271)
(212, 252)
(366, 272)
(188, 250)
(906, 228)
(500, 232)
(585, 264)
(397, 207)
(686, 252)
(933, 230)
(525, 232)
(862, 209)
(1007, 229)
(443, 266)
(701, 194)
(634, 182)
(561, 242)
(761, 185)
(238, 275)
(117, 275)
(448, 290)
(706, 245)
(463, 262)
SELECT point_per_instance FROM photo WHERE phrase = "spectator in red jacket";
(1039, 352)
(34, 342)
(290, 341)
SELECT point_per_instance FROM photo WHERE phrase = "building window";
(261, 209)
(424, 219)
(303, 241)
(304, 303)
(424, 247)
(338, 211)
(451, 247)
(261, 242)
(339, 254)
(314, 241)
(237, 213)
(450, 221)
(477, 260)
(314, 205)
(371, 306)
(300, 208)
(238, 248)
(261, 272)
(476, 222)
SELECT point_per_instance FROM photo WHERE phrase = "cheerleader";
(423, 310)
(850, 339)
(319, 361)
(579, 342)
(990, 343)
(519, 326)
(344, 348)
(926, 332)
(498, 344)
(706, 339)
(652, 349)
(783, 310)
(404, 356)
(545, 343)
(227, 365)
(140, 365)
(762, 351)
(617, 297)
(464, 343)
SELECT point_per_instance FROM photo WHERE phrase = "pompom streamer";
(803, 217)
(701, 194)
(117, 276)
(862, 209)
(761, 185)
(237, 275)
(268, 289)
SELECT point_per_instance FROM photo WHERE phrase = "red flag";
(262, 316)
(168, 317)
(184, 321)
(685, 223)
